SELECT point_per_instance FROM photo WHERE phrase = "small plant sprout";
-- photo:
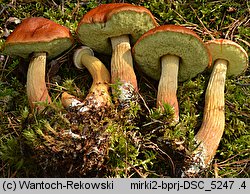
(229, 59)
(98, 95)
(43, 39)
(109, 29)
(170, 53)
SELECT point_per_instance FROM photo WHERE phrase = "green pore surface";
(193, 54)
(53, 48)
(131, 23)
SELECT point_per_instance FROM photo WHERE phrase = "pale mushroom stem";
(122, 67)
(168, 83)
(36, 86)
(213, 124)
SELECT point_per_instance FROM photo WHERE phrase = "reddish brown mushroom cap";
(111, 20)
(104, 12)
(38, 35)
(171, 40)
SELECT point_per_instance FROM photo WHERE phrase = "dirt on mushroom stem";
(122, 71)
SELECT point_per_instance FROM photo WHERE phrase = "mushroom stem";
(36, 86)
(69, 100)
(168, 83)
(213, 123)
(122, 67)
(98, 94)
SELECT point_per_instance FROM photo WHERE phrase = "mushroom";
(229, 59)
(170, 53)
(109, 28)
(43, 39)
(99, 92)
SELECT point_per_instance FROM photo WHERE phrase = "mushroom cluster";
(111, 29)
(132, 37)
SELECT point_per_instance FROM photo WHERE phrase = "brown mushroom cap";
(232, 52)
(171, 40)
(38, 35)
(110, 20)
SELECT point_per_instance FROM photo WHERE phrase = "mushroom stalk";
(98, 94)
(213, 123)
(36, 86)
(69, 100)
(168, 83)
(122, 67)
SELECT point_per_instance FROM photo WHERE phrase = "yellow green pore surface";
(97, 35)
(234, 54)
(194, 56)
(24, 49)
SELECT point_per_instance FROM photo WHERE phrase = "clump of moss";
(70, 144)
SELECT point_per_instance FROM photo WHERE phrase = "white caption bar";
(112, 186)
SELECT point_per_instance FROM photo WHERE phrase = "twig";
(247, 43)
(240, 84)
(62, 7)
(155, 146)
(3, 9)
(209, 33)
(223, 162)
(223, 18)
(7, 58)
(237, 26)
(144, 102)
(215, 170)
(11, 124)
(181, 16)
(243, 168)
(236, 162)
(232, 107)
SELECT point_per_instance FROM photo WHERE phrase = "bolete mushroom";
(109, 28)
(44, 39)
(98, 95)
(170, 53)
(229, 59)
